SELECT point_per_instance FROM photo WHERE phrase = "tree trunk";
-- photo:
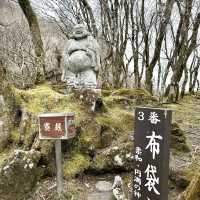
(159, 76)
(198, 86)
(158, 45)
(185, 52)
(36, 38)
(195, 78)
(92, 23)
(184, 83)
(7, 92)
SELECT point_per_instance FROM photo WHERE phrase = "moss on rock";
(102, 142)
(19, 174)
(77, 164)
(178, 139)
(115, 158)
(133, 93)
(97, 131)
(15, 136)
(120, 120)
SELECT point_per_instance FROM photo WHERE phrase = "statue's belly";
(79, 61)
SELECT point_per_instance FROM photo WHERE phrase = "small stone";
(118, 160)
(115, 148)
(32, 151)
(6, 167)
(93, 107)
(103, 186)
(128, 155)
(31, 165)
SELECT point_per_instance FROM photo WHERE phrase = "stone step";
(100, 196)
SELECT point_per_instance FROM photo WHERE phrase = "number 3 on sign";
(140, 116)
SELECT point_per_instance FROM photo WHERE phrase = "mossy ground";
(15, 136)
(186, 113)
(4, 155)
(77, 164)
(95, 131)
(44, 99)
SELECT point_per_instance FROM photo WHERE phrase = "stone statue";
(117, 188)
(81, 59)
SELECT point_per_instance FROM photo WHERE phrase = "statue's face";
(79, 32)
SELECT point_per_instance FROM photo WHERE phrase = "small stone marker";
(57, 126)
(151, 153)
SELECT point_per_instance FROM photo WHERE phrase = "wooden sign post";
(151, 153)
(58, 126)
(59, 167)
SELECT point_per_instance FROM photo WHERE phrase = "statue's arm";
(95, 49)
(97, 56)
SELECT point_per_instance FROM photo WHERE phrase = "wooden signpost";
(151, 153)
(57, 126)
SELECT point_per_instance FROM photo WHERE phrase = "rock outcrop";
(19, 174)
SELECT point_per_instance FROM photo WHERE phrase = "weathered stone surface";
(81, 58)
(100, 196)
(118, 194)
(103, 186)
(4, 133)
(115, 158)
(19, 175)
(90, 98)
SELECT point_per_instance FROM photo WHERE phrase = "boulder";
(116, 158)
(178, 139)
(19, 174)
(4, 133)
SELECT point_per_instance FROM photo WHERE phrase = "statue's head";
(80, 31)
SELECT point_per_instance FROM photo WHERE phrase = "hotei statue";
(81, 59)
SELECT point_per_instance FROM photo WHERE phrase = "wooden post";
(57, 126)
(59, 167)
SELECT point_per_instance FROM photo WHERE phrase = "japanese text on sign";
(152, 128)
(56, 126)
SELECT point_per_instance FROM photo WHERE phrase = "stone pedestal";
(100, 196)
(90, 98)
(103, 191)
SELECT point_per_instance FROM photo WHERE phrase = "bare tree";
(36, 37)
(194, 71)
(88, 16)
(115, 29)
(162, 38)
(184, 46)
(150, 65)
